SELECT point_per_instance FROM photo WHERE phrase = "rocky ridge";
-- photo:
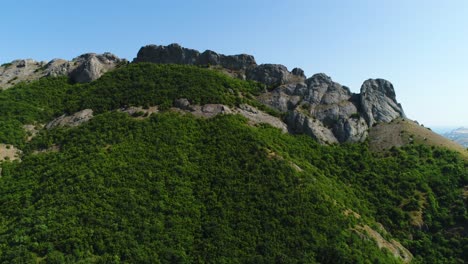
(317, 106)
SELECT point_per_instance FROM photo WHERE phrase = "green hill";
(173, 188)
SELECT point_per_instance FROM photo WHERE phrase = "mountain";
(459, 135)
(189, 157)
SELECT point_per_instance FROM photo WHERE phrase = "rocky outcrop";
(84, 68)
(328, 111)
(378, 102)
(75, 119)
(91, 66)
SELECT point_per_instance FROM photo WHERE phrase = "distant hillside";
(403, 132)
(459, 135)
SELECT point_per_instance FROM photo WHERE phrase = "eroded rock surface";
(75, 119)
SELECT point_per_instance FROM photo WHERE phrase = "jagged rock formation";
(85, 68)
(321, 108)
(317, 106)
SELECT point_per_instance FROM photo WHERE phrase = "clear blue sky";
(421, 46)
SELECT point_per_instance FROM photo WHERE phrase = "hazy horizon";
(419, 46)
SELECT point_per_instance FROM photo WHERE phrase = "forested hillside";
(174, 188)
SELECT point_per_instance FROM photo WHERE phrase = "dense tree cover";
(396, 187)
(32, 103)
(172, 188)
(146, 84)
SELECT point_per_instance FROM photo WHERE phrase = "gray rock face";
(320, 108)
(322, 90)
(238, 62)
(84, 68)
(171, 54)
(175, 54)
(328, 111)
(283, 98)
(378, 102)
(76, 119)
